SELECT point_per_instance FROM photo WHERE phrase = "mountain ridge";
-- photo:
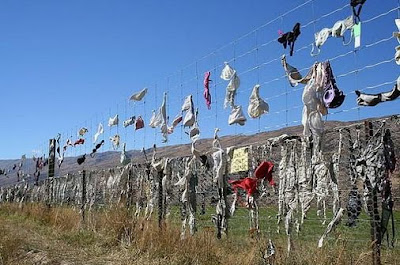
(110, 159)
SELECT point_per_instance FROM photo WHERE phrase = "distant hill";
(110, 159)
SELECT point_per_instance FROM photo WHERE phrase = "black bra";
(289, 38)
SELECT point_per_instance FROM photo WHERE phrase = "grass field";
(35, 234)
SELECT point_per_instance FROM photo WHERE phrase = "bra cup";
(293, 72)
(283, 38)
(194, 133)
(333, 98)
(236, 116)
(257, 106)
(338, 101)
(295, 75)
(189, 119)
(397, 55)
(227, 72)
(322, 36)
(340, 27)
(329, 96)
(337, 29)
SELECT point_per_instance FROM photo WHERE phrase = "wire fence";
(135, 186)
(254, 55)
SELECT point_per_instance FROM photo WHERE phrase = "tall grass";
(115, 236)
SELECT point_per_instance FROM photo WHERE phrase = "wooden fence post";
(83, 202)
(50, 175)
(160, 199)
(129, 193)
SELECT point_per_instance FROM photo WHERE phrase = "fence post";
(372, 205)
(160, 199)
(50, 175)
(129, 193)
(83, 202)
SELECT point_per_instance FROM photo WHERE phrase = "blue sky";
(68, 64)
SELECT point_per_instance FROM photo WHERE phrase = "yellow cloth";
(240, 160)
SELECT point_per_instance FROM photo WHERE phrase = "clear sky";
(67, 64)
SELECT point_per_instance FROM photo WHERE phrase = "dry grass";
(9, 244)
(115, 237)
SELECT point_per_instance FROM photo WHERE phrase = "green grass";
(311, 229)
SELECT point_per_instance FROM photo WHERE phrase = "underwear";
(139, 124)
(139, 95)
(247, 184)
(123, 159)
(67, 143)
(230, 94)
(115, 141)
(156, 119)
(315, 122)
(397, 34)
(206, 93)
(187, 106)
(194, 133)
(36, 175)
(204, 162)
(341, 26)
(100, 130)
(257, 106)
(375, 99)
(338, 30)
(81, 159)
(353, 207)
(289, 38)
(264, 171)
(129, 121)
(333, 97)
(234, 83)
(354, 4)
(175, 123)
(96, 148)
(237, 116)
(390, 157)
(113, 121)
(320, 38)
(163, 113)
(79, 141)
(82, 131)
(293, 74)
(227, 72)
